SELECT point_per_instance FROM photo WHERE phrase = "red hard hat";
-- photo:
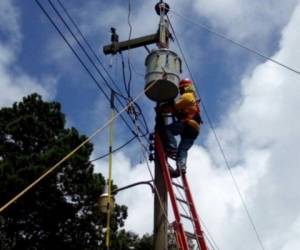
(185, 82)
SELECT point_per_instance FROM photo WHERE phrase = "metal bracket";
(116, 47)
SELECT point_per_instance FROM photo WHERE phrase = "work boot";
(171, 153)
(174, 173)
(183, 170)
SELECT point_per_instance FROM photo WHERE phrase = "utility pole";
(162, 75)
(160, 239)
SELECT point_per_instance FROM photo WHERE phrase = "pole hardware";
(151, 157)
(151, 137)
(116, 191)
(163, 69)
(116, 47)
(105, 202)
(162, 7)
(151, 146)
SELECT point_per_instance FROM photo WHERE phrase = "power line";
(50, 2)
(90, 47)
(124, 75)
(129, 37)
(128, 91)
(55, 166)
(81, 61)
(256, 52)
(80, 45)
(209, 237)
(98, 59)
(144, 151)
(184, 58)
(219, 144)
(113, 151)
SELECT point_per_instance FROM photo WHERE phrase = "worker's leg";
(172, 130)
(188, 137)
(185, 144)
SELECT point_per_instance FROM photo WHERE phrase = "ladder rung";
(183, 201)
(190, 235)
(187, 217)
(177, 185)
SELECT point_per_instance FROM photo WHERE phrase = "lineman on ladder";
(187, 125)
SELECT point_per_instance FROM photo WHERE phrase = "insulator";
(164, 6)
(151, 157)
(151, 136)
(151, 147)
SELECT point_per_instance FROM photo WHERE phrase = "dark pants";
(188, 136)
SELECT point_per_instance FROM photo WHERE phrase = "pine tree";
(61, 212)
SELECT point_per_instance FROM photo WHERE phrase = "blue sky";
(253, 103)
(213, 61)
(41, 38)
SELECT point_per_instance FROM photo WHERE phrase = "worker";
(187, 125)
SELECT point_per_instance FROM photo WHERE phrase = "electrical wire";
(38, 180)
(202, 102)
(144, 152)
(256, 52)
(145, 125)
(209, 237)
(90, 48)
(128, 58)
(128, 19)
(124, 75)
(113, 151)
(80, 60)
(219, 145)
(97, 58)
(80, 46)
(184, 58)
(78, 57)
(137, 73)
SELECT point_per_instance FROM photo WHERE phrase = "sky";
(253, 104)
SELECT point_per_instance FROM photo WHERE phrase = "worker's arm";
(185, 101)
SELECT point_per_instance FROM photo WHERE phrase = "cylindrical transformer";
(163, 68)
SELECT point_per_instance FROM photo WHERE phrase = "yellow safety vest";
(187, 108)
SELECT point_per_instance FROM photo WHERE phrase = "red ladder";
(182, 236)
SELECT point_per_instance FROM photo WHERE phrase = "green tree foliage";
(130, 241)
(59, 213)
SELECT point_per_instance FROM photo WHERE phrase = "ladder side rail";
(199, 232)
(166, 174)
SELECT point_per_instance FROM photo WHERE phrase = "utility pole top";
(162, 7)
(162, 10)
(161, 37)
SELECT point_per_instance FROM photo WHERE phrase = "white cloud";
(260, 134)
(9, 21)
(14, 87)
(246, 20)
(139, 199)
(293, 236)
(14, 82)
(266, 135)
